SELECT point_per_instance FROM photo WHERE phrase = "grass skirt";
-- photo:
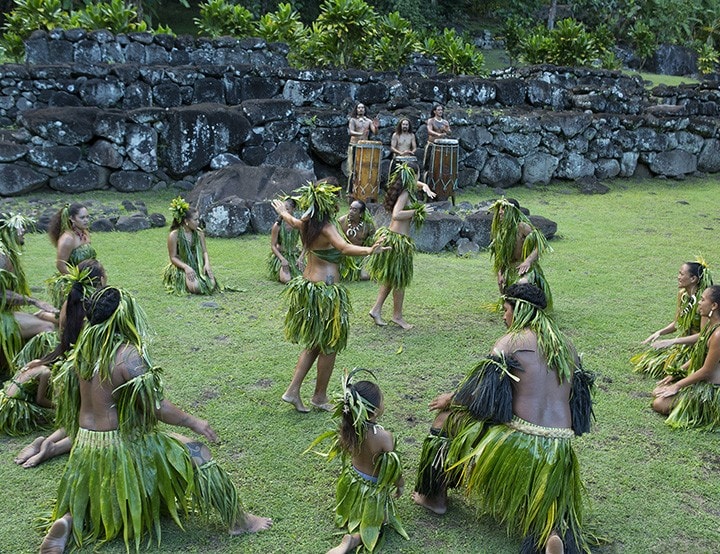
(364, 506)
(659, 363)
(10, 342)
(111, 486)
(393, 267)
(318, 315)
(697, 407)
(19, 416)
(528, 477)
(174, 281)
(37, 347)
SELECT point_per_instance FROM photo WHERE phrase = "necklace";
(353, 230)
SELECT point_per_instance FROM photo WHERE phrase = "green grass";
(613, 276)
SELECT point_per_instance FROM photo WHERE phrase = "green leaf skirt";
(393, 267)
(318, 315)
(697, 407)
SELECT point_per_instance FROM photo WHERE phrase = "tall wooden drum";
(443, 171)
(366, 170)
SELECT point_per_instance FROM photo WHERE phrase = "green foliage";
(708, 58)
(29, 16)
(349, 26)
(218, 18)
(643, 39)
(514, 30)
(395, 43)
(283, 25)
(454, 54)
(115, 16)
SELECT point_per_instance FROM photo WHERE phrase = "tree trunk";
(551, 15)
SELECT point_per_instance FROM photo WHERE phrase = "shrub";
(217, 18)
(115, 16)
(283, 25)
(453, 54)
(395, 42)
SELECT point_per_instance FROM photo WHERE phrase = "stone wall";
(132, 112)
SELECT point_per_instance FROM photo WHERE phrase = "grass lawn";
(612, 272)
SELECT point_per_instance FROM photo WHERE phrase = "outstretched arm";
(332, 234)
(286, 216)
(15, 299)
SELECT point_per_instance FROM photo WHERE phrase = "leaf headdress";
(317, 199)
(504, 234)
(10, 226)
(80, 276)
(98, 343)
(179, 208)
(407, 176)
(551, 341)
(706, 278)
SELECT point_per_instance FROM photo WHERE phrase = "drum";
(443, 169)
(366, 170)
(411, 161)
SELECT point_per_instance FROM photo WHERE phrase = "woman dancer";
(189, 269)
(667, 356)
(394, 269)
(285, 261)
(371, 476)
(319, 306)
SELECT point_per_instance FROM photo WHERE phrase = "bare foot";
(377, 319)
(56, 539)
(347, 544)
(47, 451)
(251, 524)
(554, 545)
(402, 323)
(295, 401)
(325, 406)
(30, 450)
(436, 506)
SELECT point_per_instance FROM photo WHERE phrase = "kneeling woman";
(694, 401)
(319, 307)
(186, 247)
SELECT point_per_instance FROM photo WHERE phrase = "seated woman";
(371, 477)
(285, 261)
(82, 281)
(25, 403)
(666, 357)
(69, 234)
(694, 400)
(186, 247)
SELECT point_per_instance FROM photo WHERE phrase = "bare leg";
(376, 310)
(56, 539)
(554, 545)
(30, 450)
(347, 544)
(49, 449)
(250, 523)
(292, 394)
(325, 366)
(398, 299)
(192, 285)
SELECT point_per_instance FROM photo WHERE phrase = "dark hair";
(394, 190)
(696, 269)
(363, 206)
(55, 225)
(528, 293)
(714, 293)
(176, 224)
(398, 127)
(354, 112)
(312, 228)
(102, 304)
(434, 109)
(513, 202)
(370, 391)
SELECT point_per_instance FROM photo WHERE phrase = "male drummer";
(359, 128)
(437, 128)
(402, 143)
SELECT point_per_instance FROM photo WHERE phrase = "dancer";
(516, 248)
(285, 261)
(145, 472)
(371, 476)
(319, 306)
(359, 229)
(69, 234)
(82, 281)
(666, 357)
(507, 433)
(16, 326)
(189, 269)
(393, 270)
(694, 400)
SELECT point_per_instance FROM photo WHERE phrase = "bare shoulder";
(524, 229)
(129, 362)
(380, 440)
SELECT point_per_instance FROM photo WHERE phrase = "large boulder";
(16, 180)
(194, 135)
(228, 218)
(674, 163)
(69, 126)
(250, 183)
(439, 230)
(673, 59)
(86, 177)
